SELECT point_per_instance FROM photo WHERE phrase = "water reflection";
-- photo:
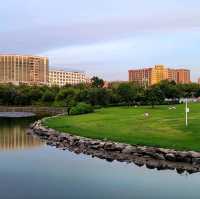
(13, 135)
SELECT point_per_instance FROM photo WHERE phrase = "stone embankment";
(152, 157)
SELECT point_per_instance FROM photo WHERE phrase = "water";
(31, 170)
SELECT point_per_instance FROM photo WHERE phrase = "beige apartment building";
(62, 77)
(24, 69)
(153, 75)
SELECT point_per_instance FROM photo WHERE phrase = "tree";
(154, 96)
(98, 96)
(97, 82)
(67, 96)
(35, 94)
(21, 99)
(169, 90)
(197, 94)
(127, 93)
(48, 96)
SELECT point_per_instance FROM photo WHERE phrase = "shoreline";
(152, 157)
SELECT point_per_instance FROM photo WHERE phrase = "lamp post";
(187, 110)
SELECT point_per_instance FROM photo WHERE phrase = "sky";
(104, 37)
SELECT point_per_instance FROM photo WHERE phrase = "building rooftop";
(23, 55)
(65, 70)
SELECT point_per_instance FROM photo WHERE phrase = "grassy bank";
(163, 128)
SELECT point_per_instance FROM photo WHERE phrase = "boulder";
(152, 164)
(119, 146)
(196, 161)
(139, 162)
(129, 150)
(158, 156)
(110, 146)
(164, 151)
(183, 156)
(194, 154)
(170, 157)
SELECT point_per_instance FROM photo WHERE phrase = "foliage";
(81, 108)
(128, 93)
(48, 96)
(154, 95)
(97, 82)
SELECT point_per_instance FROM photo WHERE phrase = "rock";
(194, 154)
(142, 150)
(170, 157)
(62, 137)
(180, 170)
(139, 162)
(109, 146)
(152, 164)
(53, 138)
(49, 143)
(162, 166)
(121, 157)
(129, 150)
(77, 150)
(95, 144)
(57, 144)
(195, 161)
(183, 156)
(164, 151)
(158, 156)
(119, 146)
(32, 125)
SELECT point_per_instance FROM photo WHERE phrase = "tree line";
(95, 94)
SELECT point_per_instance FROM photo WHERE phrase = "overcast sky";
(104, 37)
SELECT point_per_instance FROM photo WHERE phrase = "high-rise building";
(62, 77)
(159, 73)
(151, 76)
(17, 69)
(141, 76)
(183, 76)
(172, 75)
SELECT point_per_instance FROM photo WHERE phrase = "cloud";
(104, 37)
(38, 39)
(112, 59)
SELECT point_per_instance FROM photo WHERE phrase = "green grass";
(163, 128)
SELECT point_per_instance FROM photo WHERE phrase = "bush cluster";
(81, 108)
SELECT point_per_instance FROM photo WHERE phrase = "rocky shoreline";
(152, 157)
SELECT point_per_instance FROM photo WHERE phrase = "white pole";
(186, 113)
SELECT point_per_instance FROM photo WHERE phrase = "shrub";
(81, 108)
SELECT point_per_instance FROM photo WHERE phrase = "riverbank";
(163, 127)
(152, 157)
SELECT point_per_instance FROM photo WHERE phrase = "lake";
(31, 170)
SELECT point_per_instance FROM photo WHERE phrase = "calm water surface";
(31, 170)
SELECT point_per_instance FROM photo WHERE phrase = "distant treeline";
(95, 95)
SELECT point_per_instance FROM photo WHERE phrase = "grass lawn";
(163, 128)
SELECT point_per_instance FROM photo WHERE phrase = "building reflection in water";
(13, 135)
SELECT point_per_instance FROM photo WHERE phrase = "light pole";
(187, 110)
